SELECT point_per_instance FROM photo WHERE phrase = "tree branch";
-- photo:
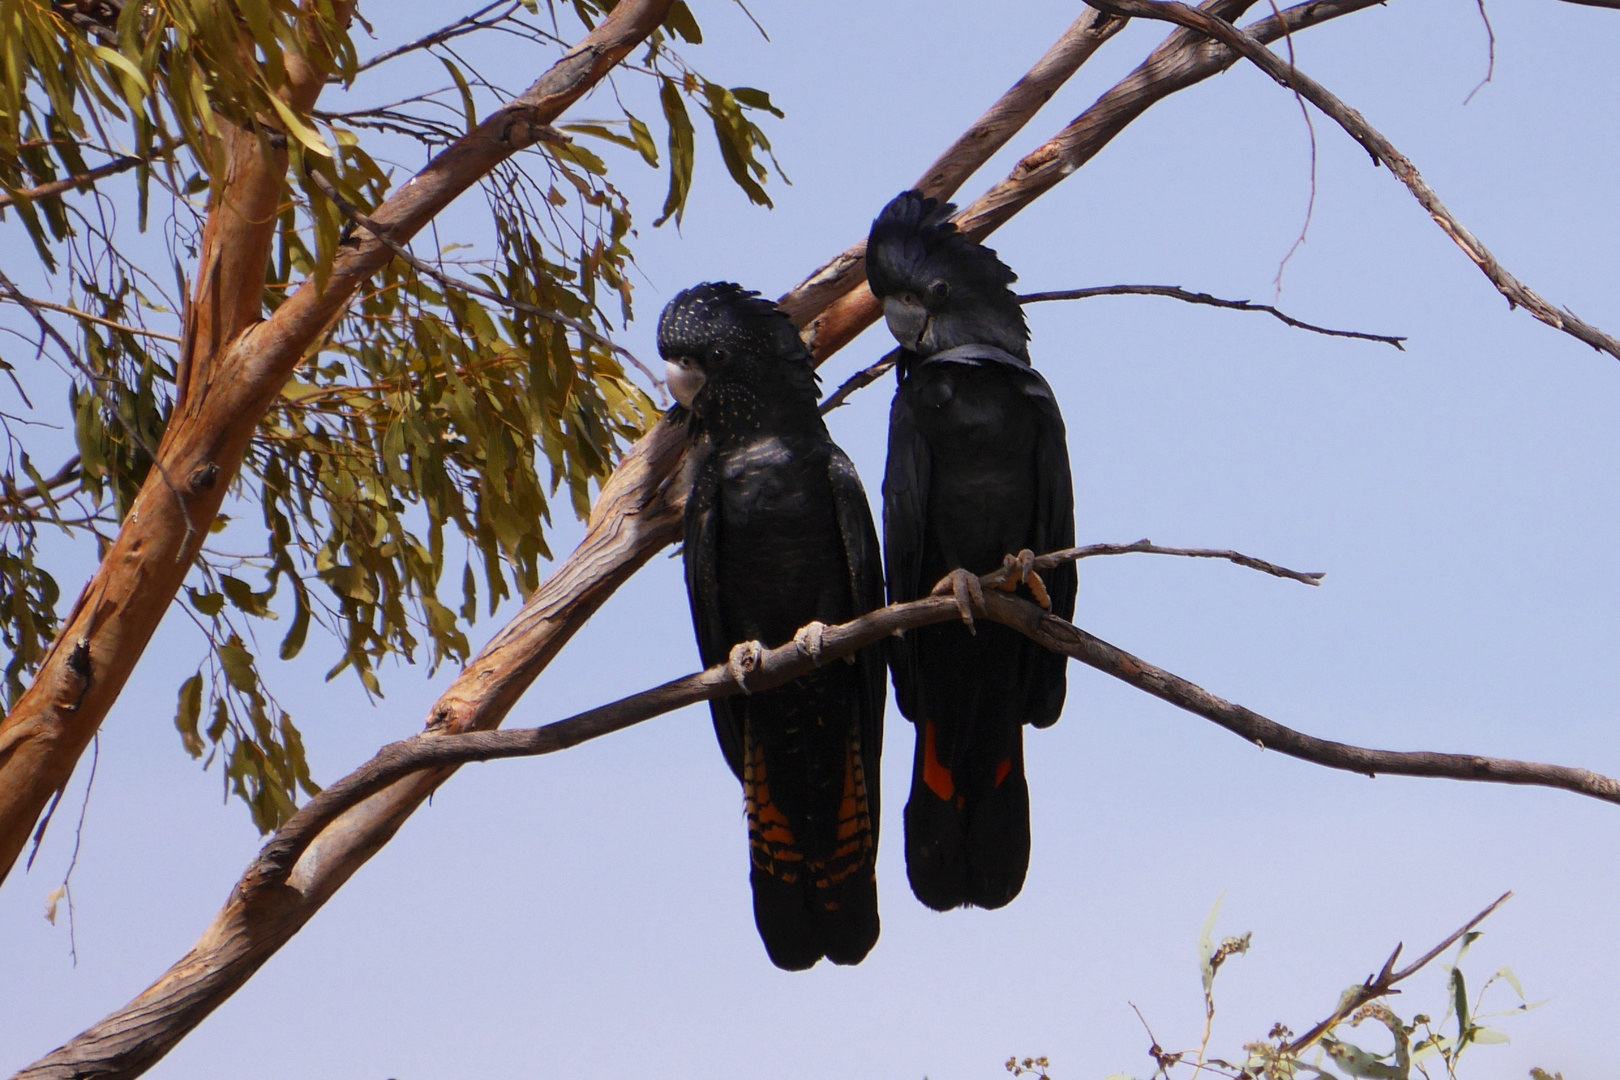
(1175, 292)
(869, 375)
(466, 25)
(1384, 982)
(63, 186)
(99, 321)
(1381, 149)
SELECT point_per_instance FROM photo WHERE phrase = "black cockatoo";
(778, 537)
(978, 469)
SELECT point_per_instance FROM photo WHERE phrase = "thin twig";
(466, 25)
(1177, 293)
(1383, 983)
(1148, 547)
(872, 373)
(1381, 149)
(68, 183)
(1490, 67)
(99, 321)
(860, 380)
(1310, 131)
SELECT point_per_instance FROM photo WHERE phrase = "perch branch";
(1381, 149)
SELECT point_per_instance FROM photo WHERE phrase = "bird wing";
(866, 593)
(1053, 531)
(905, 515)
(702, 555)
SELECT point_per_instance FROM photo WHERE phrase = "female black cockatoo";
(978, 470)
(779, 543)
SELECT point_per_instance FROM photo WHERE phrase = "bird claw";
(965, 589)
(1020, 570)
(808, 640)
(744, 658)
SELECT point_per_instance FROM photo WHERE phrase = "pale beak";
(684, 380)
(907, 320)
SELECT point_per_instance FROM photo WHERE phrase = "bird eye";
(939, 290)
(717, 354)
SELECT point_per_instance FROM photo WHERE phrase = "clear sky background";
(587, 914)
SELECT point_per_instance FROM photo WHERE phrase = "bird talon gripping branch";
(745, 656)
(967, 592)
(808, 640)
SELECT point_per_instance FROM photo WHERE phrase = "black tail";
(967, 828)
(814, 896)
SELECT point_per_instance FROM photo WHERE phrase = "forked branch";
(1381, 149)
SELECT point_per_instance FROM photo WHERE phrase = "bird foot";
(1018, 570)
(745, 657)
(808, 640)
(967, 592)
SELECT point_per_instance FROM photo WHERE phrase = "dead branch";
(86, 179)
(1517, 294)
(1148, 547)
(1383, 983)
(871, 374)
(99, 321)
(1175, 292)
(860, 380)
(465, 25)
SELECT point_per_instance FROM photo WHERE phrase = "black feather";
(779, 534)
(978, 469)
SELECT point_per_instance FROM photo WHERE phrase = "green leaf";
(757, 99)
(681, 21)
(208, 603)
(469, 111)
(681, 152)
(238, 665)
(186, 717)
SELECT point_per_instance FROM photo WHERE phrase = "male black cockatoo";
(779, 537)
(978, 470)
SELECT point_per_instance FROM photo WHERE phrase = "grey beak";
(685, 381)
(907, 320)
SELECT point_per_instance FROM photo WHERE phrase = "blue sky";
(588, 913)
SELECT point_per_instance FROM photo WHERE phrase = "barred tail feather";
(807, 908)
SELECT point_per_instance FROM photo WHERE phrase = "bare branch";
(63, 186)
(1383, 983)
(466, 25)
(871, 374)
(1148, 547)
(1177, 293)
(98, 320)
(1183, 60)
(1517, 294)
(861, 380)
